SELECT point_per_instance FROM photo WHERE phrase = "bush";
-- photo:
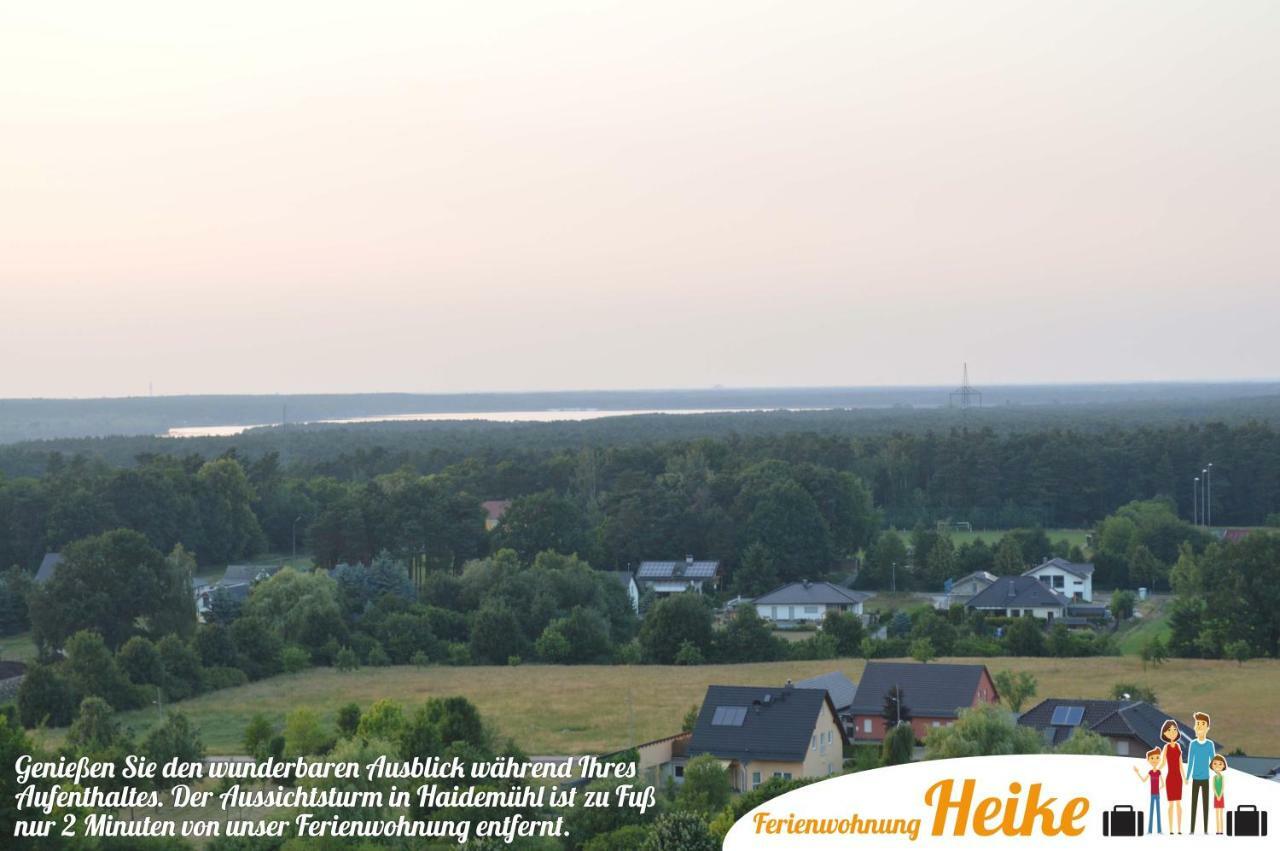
(295, 659)
(689, 654)
(45, 698)
(420, 660)
(346, 660)
(378, 657)
(348, 719)
(222, 677)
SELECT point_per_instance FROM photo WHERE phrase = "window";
(810, 610)
(755, 779)
(1015, 613)
(679, 771)
(1122, 749)
(866, 725)
(729, 716)
(785, 775)
(813, 742)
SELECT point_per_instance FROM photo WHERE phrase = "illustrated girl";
(1171, 763)
(1218, 765)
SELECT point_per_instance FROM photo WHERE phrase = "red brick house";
(933, 694)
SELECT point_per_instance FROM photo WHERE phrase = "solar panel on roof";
(1067, 716)
(729, 716)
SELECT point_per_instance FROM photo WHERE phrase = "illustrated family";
(1170, 769)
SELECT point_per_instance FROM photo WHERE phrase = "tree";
(895, 710)
(1025, 637)
(1015, 688)
(140, 661)
(231, 530)
(90, 669)
(941, 561)
(748, 638)
(44, 697)
(1086, 743)
(846, 629)
(303, 734)
(689, 654)
(922, 650)
(15, 586)
(496, 634)
(673, 621)
(783, 518)
(1009, 560)
(257, 736)
(303, 608)
(1145, 569)
(899, 745)
(888, 551)
(95, 729)
(1239, 650)
(384, 720)
(173, 739)
(758, 572)
(984, 731)
(679, 831)
(1154, 652)
(115, 583)
(348, 719)
(690, 719)
(541, 521)
(706, 788)
(1133, 691)
(1122, 605)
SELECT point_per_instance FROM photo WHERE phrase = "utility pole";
(1208, 500)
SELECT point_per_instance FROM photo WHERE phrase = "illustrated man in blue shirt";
(1200, 754)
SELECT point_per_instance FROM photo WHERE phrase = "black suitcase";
(1247, 820)
(1122, 821)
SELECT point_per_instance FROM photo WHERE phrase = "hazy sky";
(540, 194)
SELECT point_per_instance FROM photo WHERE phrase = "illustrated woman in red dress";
(1171, 756)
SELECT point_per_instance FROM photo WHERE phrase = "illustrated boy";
(1200, 754)
(1156, 781)
(1218, 765)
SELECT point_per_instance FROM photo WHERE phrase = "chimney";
(688, 560)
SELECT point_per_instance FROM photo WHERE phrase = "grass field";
(1076, 537)
(18, 648)
(584, 709)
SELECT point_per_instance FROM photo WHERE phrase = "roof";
(1016, 592)
(838, 687)
(495, 508)
(759, 723)
(1081, 569)
(687, 569)
(1232, 536)
(237, 590)
(984, 575)
(1117, 718)
(1258, 766)
(48, 565)
(811, 594)
(248, 572)
(929, 690)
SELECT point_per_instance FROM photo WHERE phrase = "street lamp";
(1204, 509)
(1195, 501)
(294, 535)
(1208, 500)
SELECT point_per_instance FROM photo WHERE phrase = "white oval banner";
(1009, 801)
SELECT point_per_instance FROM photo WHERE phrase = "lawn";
(17, 648)
(586, 709)
(1154, 621)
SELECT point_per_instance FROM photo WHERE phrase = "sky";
(248, 197)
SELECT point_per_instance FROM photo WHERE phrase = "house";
(675, 577)
(1015, 596)
(238, 573)
(933, 693)
(1132, 726)
(760, 733)
(1070, 579)
(493, 511)
(957, 592)
(659, 760)
(1235, 536)
(808, 603)
(239, 591)
(1266, 767)
(48, 565)
(841, 690)
(627, 580)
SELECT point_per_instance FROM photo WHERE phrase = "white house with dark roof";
(808, 603)
(1073, 580)
(1019, 596)
(664, 578)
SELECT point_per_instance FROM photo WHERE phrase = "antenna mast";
(967, 395)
